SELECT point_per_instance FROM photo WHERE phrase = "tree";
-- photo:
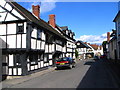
(76, 53)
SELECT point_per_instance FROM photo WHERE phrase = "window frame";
(18, 28)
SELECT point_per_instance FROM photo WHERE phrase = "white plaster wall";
(2, 2)
(8, 7)
(18, 41)
(11, 40)
(69, 50)
(2, 29)
(58, 47)
(19, 71)
(33, 43)
(42, 64)
(38, 44)
(10, 17)
(43, 45)
(38, 64)
(14, 71)
(32, 67)
(53, 47)
(17, 14)
(43, 35)
(50, 48)
(10, 60)
(2, 18)
(50, 56)
(46, 48)
(23, 40)
(10, 71)
(34, 33)
(28, 67)
(11, 28)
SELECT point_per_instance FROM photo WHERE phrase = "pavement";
(18, 80)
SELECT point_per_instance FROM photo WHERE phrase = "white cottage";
(33, 43)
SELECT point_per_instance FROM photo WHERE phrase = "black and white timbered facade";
(69, 48)
(30, 43)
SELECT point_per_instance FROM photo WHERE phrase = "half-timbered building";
(68, 50)
(31, 43)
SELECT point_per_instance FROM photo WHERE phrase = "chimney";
(36, 10)
(108, 36)
(52, 20)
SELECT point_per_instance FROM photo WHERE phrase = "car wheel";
(70, 66)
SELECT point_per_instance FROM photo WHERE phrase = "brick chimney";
(52, 20)
(36, 10)
(108, 36)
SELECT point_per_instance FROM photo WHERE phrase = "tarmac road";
(86, 74)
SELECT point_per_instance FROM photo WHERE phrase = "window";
(33, 58)
(46, 58)
(20, 27)
(39, 32)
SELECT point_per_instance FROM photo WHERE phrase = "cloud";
(98, 39)
(45, 6)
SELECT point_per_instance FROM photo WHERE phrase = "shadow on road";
(97, 76)
(89, 63)
(63, 68)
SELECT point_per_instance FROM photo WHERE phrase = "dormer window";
(20, 27)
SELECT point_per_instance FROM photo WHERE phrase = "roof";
(62, 31)
(82, 44)
(29, 16)
(64, 28)
(95, 46)
(118, 15)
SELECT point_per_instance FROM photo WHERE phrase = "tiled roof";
(29, 16)
(82, 44)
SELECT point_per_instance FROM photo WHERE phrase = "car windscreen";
(62, 59)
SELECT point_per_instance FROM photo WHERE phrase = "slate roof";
(62, 31)
(82, 44)
(118, 15)
(64, 28)
(29, 16)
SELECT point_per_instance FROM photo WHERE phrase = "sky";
(89, 20)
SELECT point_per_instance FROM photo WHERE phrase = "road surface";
(86, 74)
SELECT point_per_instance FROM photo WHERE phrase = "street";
(86, 74)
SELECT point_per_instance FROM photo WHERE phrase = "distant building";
(112, 48)
(82, 49)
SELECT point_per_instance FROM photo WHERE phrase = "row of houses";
(87, 50)
(30, 43)
(112, 45)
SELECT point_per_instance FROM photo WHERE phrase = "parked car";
(103, 57)
(65, 62)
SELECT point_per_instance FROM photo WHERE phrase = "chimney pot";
(108, 36)
(52, 20)
(36, 10)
